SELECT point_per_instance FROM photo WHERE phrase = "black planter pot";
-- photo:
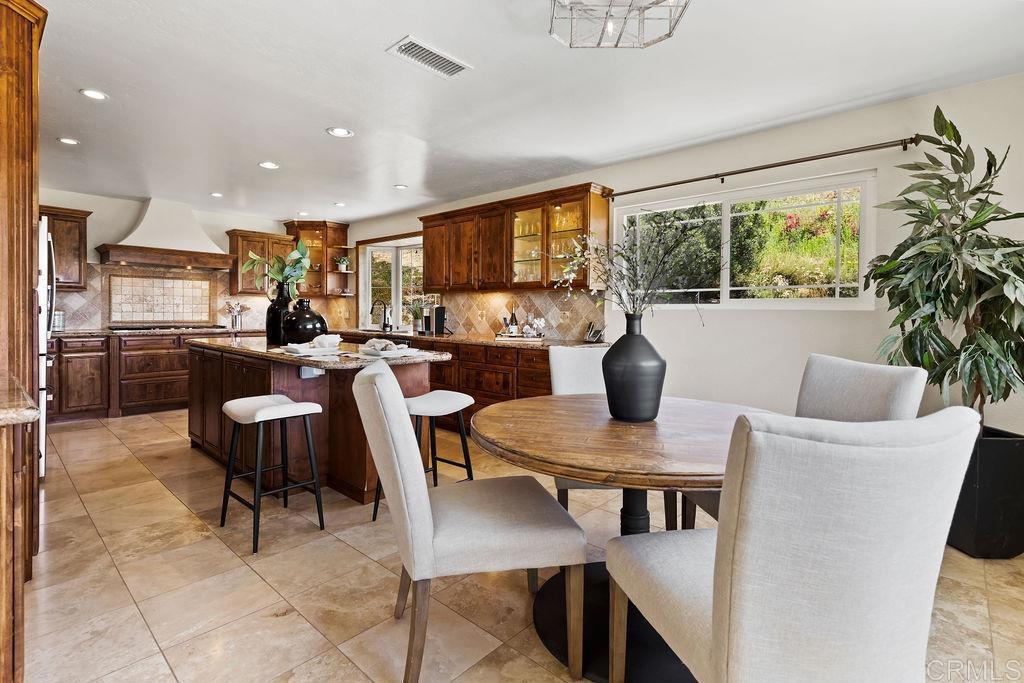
(634, 375)
(989, 518)
(303, 324)
(276, 312)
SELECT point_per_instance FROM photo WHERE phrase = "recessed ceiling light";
(340, 132)
(339, 204)
(68, 141)
(269, 165)
(400, 186)
(94, 94)
(303, 213)
(216, 195)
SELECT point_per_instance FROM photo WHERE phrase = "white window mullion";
(725, 253)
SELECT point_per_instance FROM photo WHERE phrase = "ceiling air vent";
(419, 53)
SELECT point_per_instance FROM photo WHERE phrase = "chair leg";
(433, 447)
(465, 447)
(228, 477)
(284, 459)
(417, 630)
(257, 488)
(532, 581)
(314, 470)
(574, 619)
(671, 512)
(618, 608)
(376, 499)
(563, 498)
(403, 594)
(689, 513)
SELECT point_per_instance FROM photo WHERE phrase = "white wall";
(756, 357)
(114, 218)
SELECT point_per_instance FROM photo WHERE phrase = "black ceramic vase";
(276, 312)
(303, 324)
(634, 374)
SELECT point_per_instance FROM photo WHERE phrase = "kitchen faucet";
(385, 318)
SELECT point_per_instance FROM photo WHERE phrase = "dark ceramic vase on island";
(276, 312)
(303, 324)
(634, 374)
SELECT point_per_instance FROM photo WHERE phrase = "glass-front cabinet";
(567, 225)
(528, 246)
(331, 258)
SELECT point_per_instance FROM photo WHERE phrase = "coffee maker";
(437, 316)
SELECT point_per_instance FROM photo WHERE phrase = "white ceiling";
(201, 91)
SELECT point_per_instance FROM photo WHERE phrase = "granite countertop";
(258, 348)
(479, 339)
(156, 331)
(16, 406)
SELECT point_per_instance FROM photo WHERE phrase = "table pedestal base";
(648, 658)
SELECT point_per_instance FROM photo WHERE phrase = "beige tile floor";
(135, 580)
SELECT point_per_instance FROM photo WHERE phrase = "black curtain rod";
(903, 142)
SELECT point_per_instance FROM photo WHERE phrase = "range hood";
(167, 236)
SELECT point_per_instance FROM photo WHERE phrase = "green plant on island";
(956, 288)
(289, 270)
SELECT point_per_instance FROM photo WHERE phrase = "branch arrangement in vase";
(289, 271)
(657, 251)
(957, 289)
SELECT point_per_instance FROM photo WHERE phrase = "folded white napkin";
(325, 341)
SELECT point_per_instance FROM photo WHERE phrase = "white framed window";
(799, 244)
(393, 275)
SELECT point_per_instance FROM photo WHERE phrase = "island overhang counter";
(224, 369)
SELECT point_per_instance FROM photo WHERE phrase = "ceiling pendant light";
(615, 23)
(339, 132)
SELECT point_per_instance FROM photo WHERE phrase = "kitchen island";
(221, 369)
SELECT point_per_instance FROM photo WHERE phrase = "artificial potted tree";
(958, 293)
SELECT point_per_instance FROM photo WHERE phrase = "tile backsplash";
(481, 312)
(146, 299)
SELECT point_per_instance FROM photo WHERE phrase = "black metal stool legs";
(433, 447)
(465, 447)
(258, 471)
(311, 451)
(230, 474)
(257, 484)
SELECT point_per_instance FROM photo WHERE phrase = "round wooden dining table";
(574, 436)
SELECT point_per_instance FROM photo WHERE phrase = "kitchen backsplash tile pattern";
(481, 312)
(145, 299)
(91, 309)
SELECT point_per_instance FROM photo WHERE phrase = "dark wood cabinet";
(266, 245)
(492, 250)
(196, 417)
(435, 257)
(67, 228)
(212, 401)
(326, 241)
(462, 253)
(522, 242)
(83, 370)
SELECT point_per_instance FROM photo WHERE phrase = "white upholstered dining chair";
(850, 391)
(825, 560)
(577, 370)
(463, 528)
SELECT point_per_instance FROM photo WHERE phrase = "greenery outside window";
(395, 276)
(802, 244)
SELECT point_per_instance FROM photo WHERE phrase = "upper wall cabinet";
(265, 244)
(67, 228)
(523, 242)
(332, 266)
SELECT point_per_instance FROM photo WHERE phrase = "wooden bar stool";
(432, 405)
(260, 410)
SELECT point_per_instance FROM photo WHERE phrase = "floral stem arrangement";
(289, 271)
(652, 255)
(956, 288)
